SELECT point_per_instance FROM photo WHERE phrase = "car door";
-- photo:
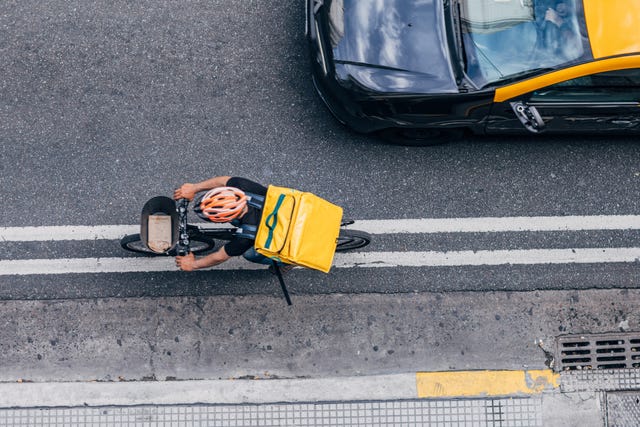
(599, 103)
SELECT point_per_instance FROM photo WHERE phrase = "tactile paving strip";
(519, 412)
(600, 380)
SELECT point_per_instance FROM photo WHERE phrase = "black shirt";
(240, 245)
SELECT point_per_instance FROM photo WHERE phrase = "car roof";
(613, 26)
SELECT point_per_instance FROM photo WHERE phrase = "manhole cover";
(623, 409)
(598, 351)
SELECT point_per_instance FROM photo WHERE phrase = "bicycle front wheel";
(349, 240)
(134, 243)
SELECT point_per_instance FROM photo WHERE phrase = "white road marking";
(105, 265)
(497, 257)
(384, 226)
(347, 260)
(66, 232)
(497, 224)
(342, 260)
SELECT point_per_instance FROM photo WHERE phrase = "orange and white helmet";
(221, 204)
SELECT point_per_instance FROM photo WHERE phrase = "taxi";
(427, 71)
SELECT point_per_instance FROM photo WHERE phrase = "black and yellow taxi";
(424, 71)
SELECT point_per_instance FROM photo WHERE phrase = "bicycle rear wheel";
(349, 240)
(133, 243)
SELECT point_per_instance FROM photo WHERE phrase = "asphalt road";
(105, 104)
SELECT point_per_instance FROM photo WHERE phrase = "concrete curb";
(533, 397)
(458, 384)
(379, 387)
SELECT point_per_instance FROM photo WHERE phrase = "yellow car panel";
(613, 26)
(619, 63)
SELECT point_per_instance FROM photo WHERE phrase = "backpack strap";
(272, 220)
(247, 231)
(255, 200)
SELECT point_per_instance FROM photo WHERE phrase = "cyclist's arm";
(189, 262)
(189, 190)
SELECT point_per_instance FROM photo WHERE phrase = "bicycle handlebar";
(182, 247)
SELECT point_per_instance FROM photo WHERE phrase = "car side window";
(612, 86)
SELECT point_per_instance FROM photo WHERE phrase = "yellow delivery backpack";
(298, 228)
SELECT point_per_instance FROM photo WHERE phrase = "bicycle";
(170, 226)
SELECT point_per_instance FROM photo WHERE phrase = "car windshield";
(508, 38)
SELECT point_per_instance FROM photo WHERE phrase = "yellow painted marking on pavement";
(484, 383)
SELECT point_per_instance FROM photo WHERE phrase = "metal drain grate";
(598, 351)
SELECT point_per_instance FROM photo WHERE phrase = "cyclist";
(223, 199)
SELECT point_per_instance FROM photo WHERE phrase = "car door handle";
(528, 116)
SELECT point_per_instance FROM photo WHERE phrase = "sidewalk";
(464, 398)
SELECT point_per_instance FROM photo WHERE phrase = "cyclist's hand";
(186, 191)
(187, 262)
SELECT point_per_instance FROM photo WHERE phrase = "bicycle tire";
(134, 243)
(349, 240)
